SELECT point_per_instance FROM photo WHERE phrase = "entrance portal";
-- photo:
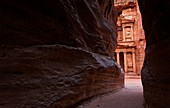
(121, 59)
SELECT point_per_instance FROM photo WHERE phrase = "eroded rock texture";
(55, 53)
(155, 73)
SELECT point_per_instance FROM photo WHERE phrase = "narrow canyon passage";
(129, 97)
(58, 53)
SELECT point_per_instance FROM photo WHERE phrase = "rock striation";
(56, 53)
(155, 72)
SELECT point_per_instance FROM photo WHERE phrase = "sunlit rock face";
(155, 73)
(55, 53)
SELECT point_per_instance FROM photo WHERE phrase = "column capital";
(133, 50)
(125, 51)
(117, 51)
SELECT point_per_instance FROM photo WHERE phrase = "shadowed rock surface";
(55, 53)
(155, 73)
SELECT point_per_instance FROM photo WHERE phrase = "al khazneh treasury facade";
(131, 40)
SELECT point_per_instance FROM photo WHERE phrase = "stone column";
(118, 58)
(123, 34)
(125, 61)
(131, 32)
(134, 62)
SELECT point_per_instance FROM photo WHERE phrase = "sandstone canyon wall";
(55, 53)
(156, 71)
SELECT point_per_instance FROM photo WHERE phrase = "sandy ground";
(129, 97)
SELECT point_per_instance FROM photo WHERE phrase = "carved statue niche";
(128, 36)
(129, 62)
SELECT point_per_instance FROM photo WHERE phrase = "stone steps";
(132, 76)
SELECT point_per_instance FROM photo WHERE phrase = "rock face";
(55, 53)
(155, 73)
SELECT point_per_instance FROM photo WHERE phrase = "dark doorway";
(122, 60)
(115, 56)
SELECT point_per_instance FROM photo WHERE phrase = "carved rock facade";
(131, 40)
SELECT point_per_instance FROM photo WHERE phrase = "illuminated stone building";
(131, 40)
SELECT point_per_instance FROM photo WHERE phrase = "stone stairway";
(132, 75)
